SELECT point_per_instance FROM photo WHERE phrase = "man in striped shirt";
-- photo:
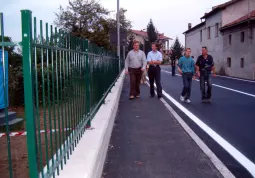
(135, 64)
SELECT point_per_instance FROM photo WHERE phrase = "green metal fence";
(66, 79)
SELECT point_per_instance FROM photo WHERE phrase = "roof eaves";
(236, 24)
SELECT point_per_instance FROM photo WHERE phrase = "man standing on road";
(135, 64)
(186, 67)
(154, 59)
(173, 64)
(204, 68)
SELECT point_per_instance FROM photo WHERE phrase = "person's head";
(187, 52)
(154, 46)
(204, 50)
(136, 45)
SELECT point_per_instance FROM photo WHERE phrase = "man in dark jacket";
(204, 69)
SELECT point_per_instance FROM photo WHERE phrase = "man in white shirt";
(154, 59)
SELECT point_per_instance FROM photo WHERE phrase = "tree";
(14, 54)
(151, 31)
(176, 49)
(84, 18)
(90, 20)
(131, 39)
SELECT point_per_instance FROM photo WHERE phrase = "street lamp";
(118, 29)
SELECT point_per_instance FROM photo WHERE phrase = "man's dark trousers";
(135, 79)
(154, 73)
(173, 70)
(187, 83)
(208, 80)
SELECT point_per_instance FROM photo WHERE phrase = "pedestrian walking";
(154, 59)
(186, 67)
(173, 64)
(135, 64)
(205, 69)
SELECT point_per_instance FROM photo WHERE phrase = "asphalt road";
(148, 142)
(231, 115)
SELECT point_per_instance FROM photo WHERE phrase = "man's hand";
(151, 62)
(198, 73)
(179, 71)
(126, 72)
(213, 74)
(194, 77)
(142, 69)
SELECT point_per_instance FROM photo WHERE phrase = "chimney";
(189, 26)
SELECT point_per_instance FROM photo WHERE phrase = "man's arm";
(144, 61)
(213, 68)
(159, 60)
(127, 62)
(180, 65)
(149, 60)
(197, 67)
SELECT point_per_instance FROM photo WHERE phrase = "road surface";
(228, 123)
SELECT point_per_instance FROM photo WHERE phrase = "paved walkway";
(147, 142)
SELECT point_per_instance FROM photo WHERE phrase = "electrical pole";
(118, 28)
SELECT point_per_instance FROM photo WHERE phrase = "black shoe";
(152, 96)
(159, 97)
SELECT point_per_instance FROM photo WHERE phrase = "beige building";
(228, 32)
(141, 35)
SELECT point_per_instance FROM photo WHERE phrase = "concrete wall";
(236, 10)
(214, 44)
(237, 50)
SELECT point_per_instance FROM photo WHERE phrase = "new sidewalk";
(148, 142)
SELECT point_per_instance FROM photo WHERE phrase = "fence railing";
(66, 79)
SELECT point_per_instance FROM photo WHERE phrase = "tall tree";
(89, 19)
(151, 31)
(84, 18)
(131, 39)
(177, 49)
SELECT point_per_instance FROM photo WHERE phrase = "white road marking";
(215, 160)
(230, 89)
(243, 160)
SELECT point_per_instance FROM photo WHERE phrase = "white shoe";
(188, 101)
(182, 99)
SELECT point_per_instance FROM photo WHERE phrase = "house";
(141, 36)
(228, 32)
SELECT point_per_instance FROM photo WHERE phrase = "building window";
(201, 35)
(229, 39)
(216, 29)
(209, 32)
(242, 37)
(229, 62)
(242, 63)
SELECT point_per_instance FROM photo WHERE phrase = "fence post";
(87, 83)
(26, 19)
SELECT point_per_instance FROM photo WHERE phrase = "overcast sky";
(169, 16)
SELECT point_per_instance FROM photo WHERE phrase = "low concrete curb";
(87, 160)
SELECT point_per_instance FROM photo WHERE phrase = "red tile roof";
(144, 34)
(219, 7)
(241, 20)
